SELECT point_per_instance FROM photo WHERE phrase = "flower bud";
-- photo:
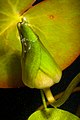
(39, 69)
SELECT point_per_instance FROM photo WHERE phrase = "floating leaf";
(10, 46)
(52, 114)
(55, 22)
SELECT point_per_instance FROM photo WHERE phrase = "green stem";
(43, 99)
(67, 92)
(49, 95)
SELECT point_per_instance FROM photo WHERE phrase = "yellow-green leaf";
(10, 46)
(57, 23)
(52, 114)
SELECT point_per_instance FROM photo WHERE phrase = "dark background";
(19, 103)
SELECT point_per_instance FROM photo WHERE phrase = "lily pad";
(55, 22)
(53, 114)
(10, 46)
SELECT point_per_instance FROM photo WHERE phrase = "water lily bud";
(39, 69)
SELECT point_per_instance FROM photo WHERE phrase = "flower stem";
(43, 99)
(49, 95)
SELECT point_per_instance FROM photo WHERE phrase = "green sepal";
(31, 64)
(49, 65)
